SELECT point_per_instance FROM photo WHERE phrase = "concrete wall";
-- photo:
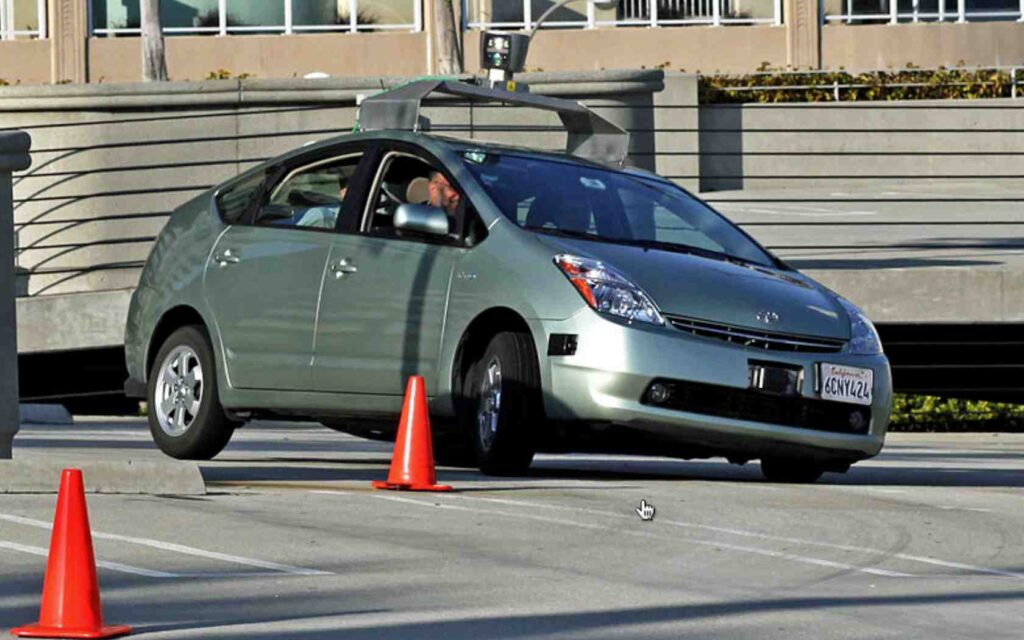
(884, 46)
(828, 144)
(726, 49)
(25, 61)
(265, 56)
(733, 49)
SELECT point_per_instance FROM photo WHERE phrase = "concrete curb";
(130, 477)
(44, 414)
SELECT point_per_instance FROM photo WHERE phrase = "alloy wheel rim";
(490, 404)
(179, 391)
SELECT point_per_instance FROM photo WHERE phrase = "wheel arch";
(475, 338)
(172, 320)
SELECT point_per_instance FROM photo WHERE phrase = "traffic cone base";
(39, 631)
(412, 462)
(405, 486)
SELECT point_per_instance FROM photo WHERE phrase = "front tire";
(505, 397)
(185, 415)
(791, 470)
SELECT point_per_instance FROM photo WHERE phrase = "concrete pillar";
(803, 34)
(69, 24)
(14, 146)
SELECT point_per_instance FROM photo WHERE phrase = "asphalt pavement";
(924, 541)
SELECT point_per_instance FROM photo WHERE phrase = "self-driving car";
(552, 301)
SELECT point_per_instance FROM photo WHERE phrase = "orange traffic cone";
(71, 592)
(412, 464)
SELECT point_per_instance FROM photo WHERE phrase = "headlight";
(864, 340)
(608, 291)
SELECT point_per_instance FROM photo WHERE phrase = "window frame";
(279, 183)
(277, 174)
(387, 152)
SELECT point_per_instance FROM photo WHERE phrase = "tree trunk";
(154, 65)
(448, 52)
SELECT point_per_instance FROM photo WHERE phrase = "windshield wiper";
(568, 233)
(689, 249)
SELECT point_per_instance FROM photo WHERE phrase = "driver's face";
(443, 195)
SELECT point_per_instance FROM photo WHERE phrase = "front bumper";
(614, 364)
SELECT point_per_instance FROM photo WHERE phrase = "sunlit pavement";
(923, 542)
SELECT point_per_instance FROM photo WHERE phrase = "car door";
(384, 297)
(263, 278)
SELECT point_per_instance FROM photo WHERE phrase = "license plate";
(846, 384)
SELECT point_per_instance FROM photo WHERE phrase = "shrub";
(929, 413)
(908, 84)
(224, 74)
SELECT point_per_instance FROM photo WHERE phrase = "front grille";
(756, 406)
(756, 339)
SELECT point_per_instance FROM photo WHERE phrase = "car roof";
(458, 145)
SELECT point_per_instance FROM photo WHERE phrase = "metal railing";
(349, 21)
(914, 11)
(630, 13)
(10, 19)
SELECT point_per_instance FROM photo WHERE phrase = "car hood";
(717, 290)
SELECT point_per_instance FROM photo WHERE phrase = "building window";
(22, 19)
(520, 14)
(897, 11)
(233, 17)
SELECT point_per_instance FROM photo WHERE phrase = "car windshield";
(569, 199)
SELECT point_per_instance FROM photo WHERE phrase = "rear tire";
(505, 400)
(791, 470)
(185, 415)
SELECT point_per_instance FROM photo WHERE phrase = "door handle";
(225, 258)
(343, 267)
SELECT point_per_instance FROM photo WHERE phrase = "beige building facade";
(51, 41)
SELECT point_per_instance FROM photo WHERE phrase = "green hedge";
(942, 83)
(929, 413)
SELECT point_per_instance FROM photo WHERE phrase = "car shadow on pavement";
(559, 624)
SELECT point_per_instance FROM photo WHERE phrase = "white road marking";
(647, 534)
(103, 564)
(765, 536)
(976, 509)
(179, 548)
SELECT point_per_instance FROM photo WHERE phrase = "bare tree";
(448, 52)
(154, 64)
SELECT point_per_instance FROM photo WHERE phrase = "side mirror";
(421, 218)
(271, 213)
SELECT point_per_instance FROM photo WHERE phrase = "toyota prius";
(551, 303)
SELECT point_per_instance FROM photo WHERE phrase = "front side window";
(406, 179)
(310, 197)
(235, 199)
(578, 200)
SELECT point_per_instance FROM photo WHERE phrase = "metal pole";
(894, 16)
(222, 17)
(654, 12)
(961, 10)
(528, 16)
(716, 12)
(288, 19)
(41, 13)
(14, 146)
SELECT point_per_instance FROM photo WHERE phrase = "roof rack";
(589, 135)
